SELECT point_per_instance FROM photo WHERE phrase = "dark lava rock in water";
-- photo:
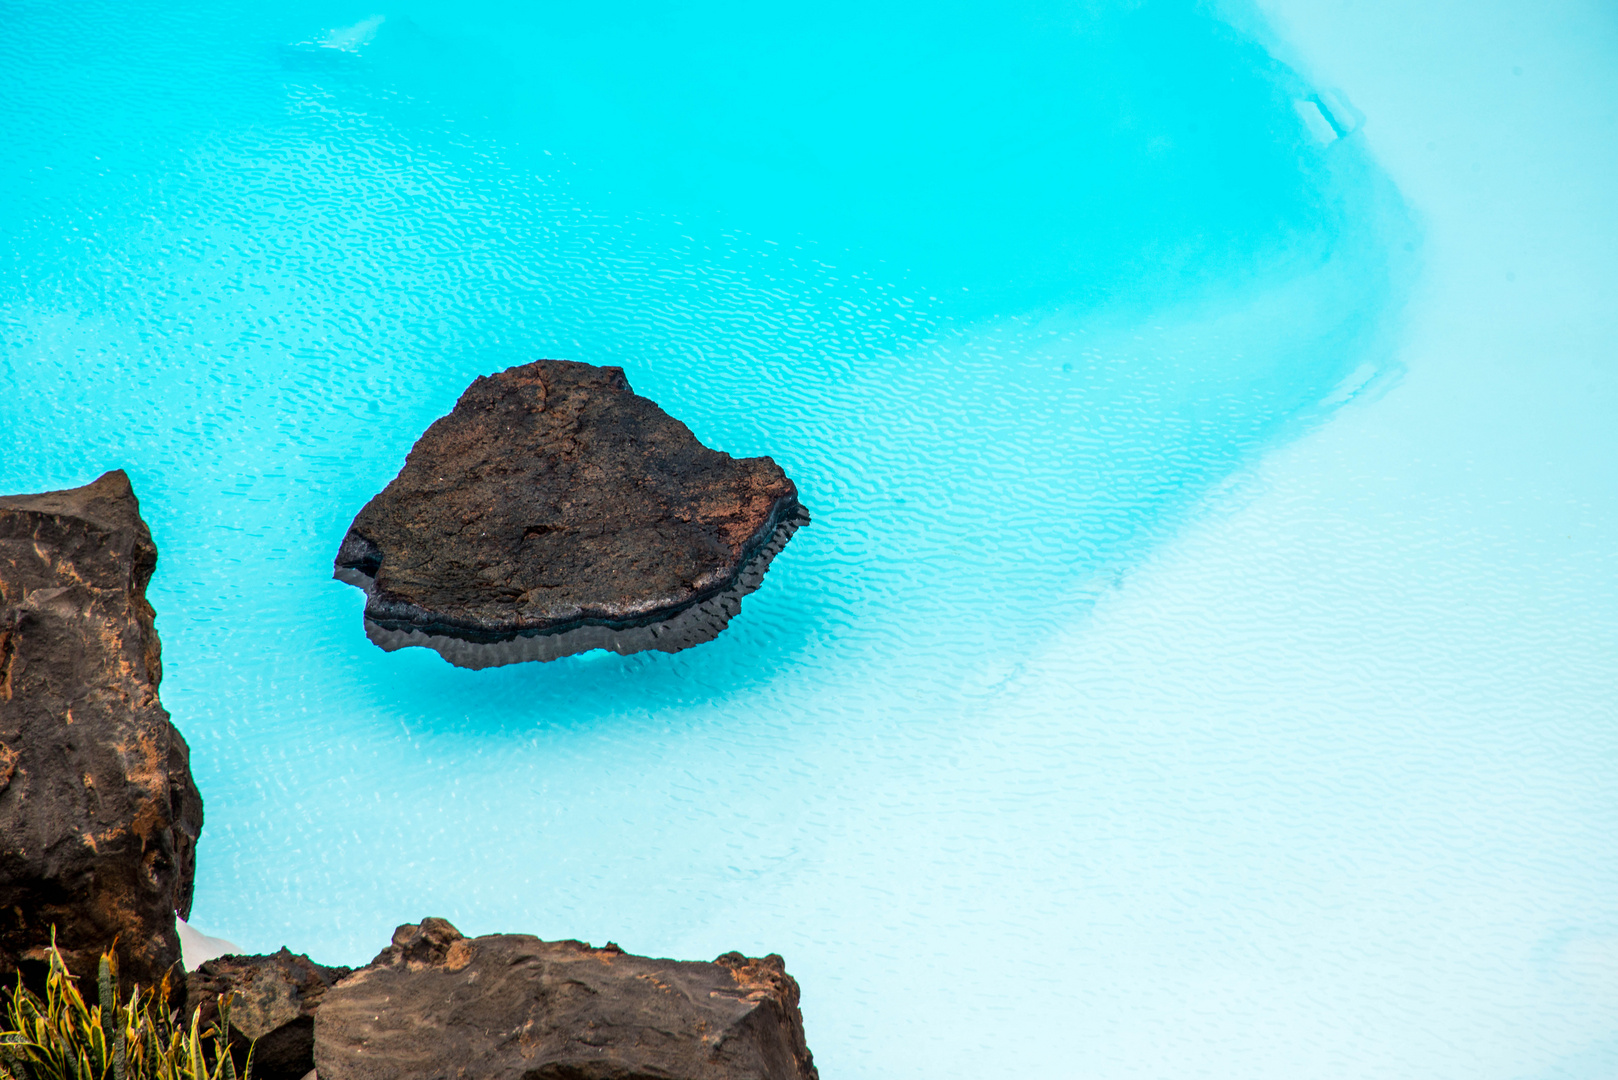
(554, 511)
(273, 1008)
(513, 1007)
(98, 813)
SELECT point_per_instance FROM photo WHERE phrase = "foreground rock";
(273, 1008)
(555, 511)
(512, 1007)
(98, 813)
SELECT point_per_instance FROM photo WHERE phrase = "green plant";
(61, 1037)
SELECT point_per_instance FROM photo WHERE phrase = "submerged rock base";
(698, 623)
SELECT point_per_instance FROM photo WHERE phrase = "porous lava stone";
(512, 1007)
(554, 510)
(273, 999)
(99, 816)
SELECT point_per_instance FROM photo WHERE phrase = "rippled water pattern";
(1013, 293)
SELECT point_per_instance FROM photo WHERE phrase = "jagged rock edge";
(696, 623)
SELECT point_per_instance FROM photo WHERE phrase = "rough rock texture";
(512, 1007)
(98, 814)
(553, 511)
(274, 1004)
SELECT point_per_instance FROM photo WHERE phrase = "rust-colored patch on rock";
(762, 977)
(5, 657)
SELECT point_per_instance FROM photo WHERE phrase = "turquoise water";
(1020, 296)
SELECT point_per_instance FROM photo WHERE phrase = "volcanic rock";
(99, 816)
(272, 1007)
(553, 511)
(512, 1007)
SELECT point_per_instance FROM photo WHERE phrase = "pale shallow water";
(1074, 722)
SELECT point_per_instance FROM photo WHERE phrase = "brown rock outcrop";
(553, 511)
(513, 1007)
(273, 1007)
(99, 816)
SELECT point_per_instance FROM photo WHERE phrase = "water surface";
(1016, 295)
